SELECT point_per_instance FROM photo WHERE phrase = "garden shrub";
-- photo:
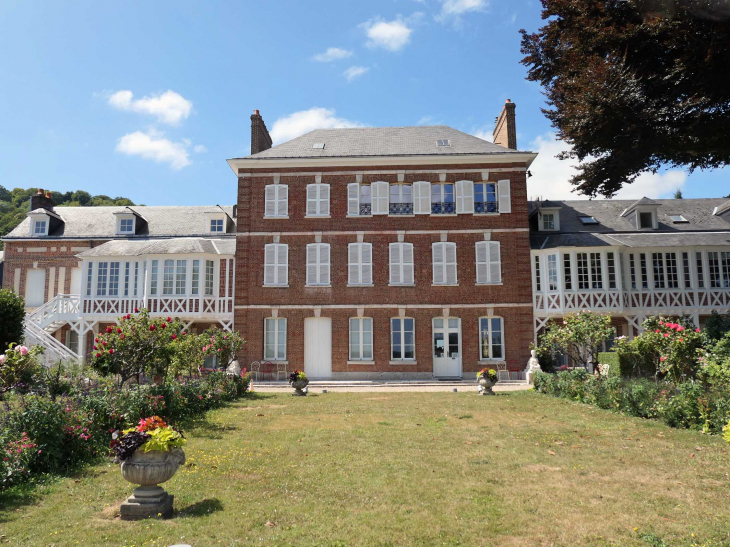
(12, 314)
(611, 359)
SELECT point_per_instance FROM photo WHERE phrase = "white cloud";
(169, 107)
(483, 133)
(354, 72)
(459, 7)
(153, 146)
(298, 123)
(551, 176)
(200, 148)
(390, 35)
(332, 54)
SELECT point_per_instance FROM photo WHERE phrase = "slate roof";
(100, 222)
(178, 245)
(702, 228)
(723, 208)
(382, 141)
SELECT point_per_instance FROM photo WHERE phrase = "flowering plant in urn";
(150, 454)
(299, 382)
(486, 378)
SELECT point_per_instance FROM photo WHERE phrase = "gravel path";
(331, 387)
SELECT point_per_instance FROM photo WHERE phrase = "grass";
(406, 469)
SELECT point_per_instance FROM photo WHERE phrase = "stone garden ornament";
(486, 378)
(299, 381)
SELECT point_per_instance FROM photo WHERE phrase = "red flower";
(680, 328)
(119, 331)
(136, 310)
(108, 329)
(169, 320)
(184, 333)
(174, 336)
(95, 347)
(96, 340)
(98, 354)
(656, 330)
(103, 343)
(697, 330)
(152, 327)
(111, 351)
(666, 335)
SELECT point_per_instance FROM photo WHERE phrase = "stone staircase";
(43, 321)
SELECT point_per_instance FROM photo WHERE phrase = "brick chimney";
(41, 200)
(505, 130)
(260, 139)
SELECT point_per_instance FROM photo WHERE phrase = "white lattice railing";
(191, 306)
(61, 308)
(54, 351)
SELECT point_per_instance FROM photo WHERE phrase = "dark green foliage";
(717, 325)
(76, 427)
(12, 314)
(687, 405)
(610, 358)
(14, 204)
(634, 85)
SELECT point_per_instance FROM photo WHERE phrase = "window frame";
(442, 198)
(277, 333)
(402, 343)
(276, 265)
(318, 201)
(482, 186)
(361, 344)
(489, 334)
(445, 264)
(277, 200)
(216, 223)
(361, 265)
(319, 264)
(401, 265)
(489, 245)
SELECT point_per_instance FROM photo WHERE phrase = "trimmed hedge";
(688, 405)
(611, 359)
(40, 436)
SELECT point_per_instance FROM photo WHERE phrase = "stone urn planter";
(300, 387)
(485, 386)
(149, 470)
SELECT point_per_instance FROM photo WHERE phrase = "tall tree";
(634, 85)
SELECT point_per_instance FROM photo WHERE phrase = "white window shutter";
(282, 264)
(312, 264)
(366, 263)
(312, 195)
(437, 251)
(282, 200)
(482, 253)
(395, 263)
(495, 262)
(324, 199)
(505, 197)
(422, 197)
(270, 199)
(270, 264)
(353, 266)
(380, 197)
(353, 199)
(324, 263)
(464, 196)
(450, 263)
(407, 258)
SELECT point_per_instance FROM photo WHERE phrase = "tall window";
(89, 278)
(644, 271)
(209, 277)
(538, 277)
(318, 264)
(276, 264)
(401, 263)
(126, 279)
(567, 276)
(583, 272)
(181, 276)
(360, 264)
(596, 273)
(442, 199)
(485, 197)
(401, 199)
(719, 269)
(136, 275)
(366, 200)
(275, 339)
(632, 268)
(359, 199)
(611, 270)
(114, 279)
(672, 270)
(685, 267)
(196, 277)
(101, 278)
(489, 265)
(276, 200)
(168, 276)
(318, 200)
(126, 225)
(361, 339)
(548, 221)
(402, 339)
(491, 342)
(700, 273)
(552, 271)
(216, 225)
(725, 258)
(153, 280)
(658, 263)
(444, 263)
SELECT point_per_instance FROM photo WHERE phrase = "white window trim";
(220, 218)
(319, 265)
(318, 201)
(401, 265)
(275, 249)
(276, 357)
(276, 200)
(489, 334)
(39, 218)
(394, 360)
(488, 263)
(485, 183)
(361, 265)
(360, 360)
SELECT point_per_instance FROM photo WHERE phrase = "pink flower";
(174, 336)
(681, 339)
(152, 327)
(169, 320)
(111, 351)
(183, 333)
(2, 359)
(657, 331)
(697, 330)
(108, 329)
(661, 358)
(680, 328)
(23, 350)
(96, 340)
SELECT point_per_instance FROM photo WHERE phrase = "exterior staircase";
(42, 322)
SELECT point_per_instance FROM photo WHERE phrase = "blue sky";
(148, 99)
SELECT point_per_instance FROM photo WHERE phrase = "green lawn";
(407, 469)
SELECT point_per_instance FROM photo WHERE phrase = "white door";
(447, 347)
(75, 281)
(318, 347)
(35, 288)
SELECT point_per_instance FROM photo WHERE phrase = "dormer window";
(40, 227)
(126, 225)
(646, 220)
(548, 219)
(216, 225)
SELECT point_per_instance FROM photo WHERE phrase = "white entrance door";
(75, 281)
(35, 288)
(318, 347)
(447, 347)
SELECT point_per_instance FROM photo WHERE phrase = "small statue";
(533, 365)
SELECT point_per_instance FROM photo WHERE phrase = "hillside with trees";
(15, 204)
